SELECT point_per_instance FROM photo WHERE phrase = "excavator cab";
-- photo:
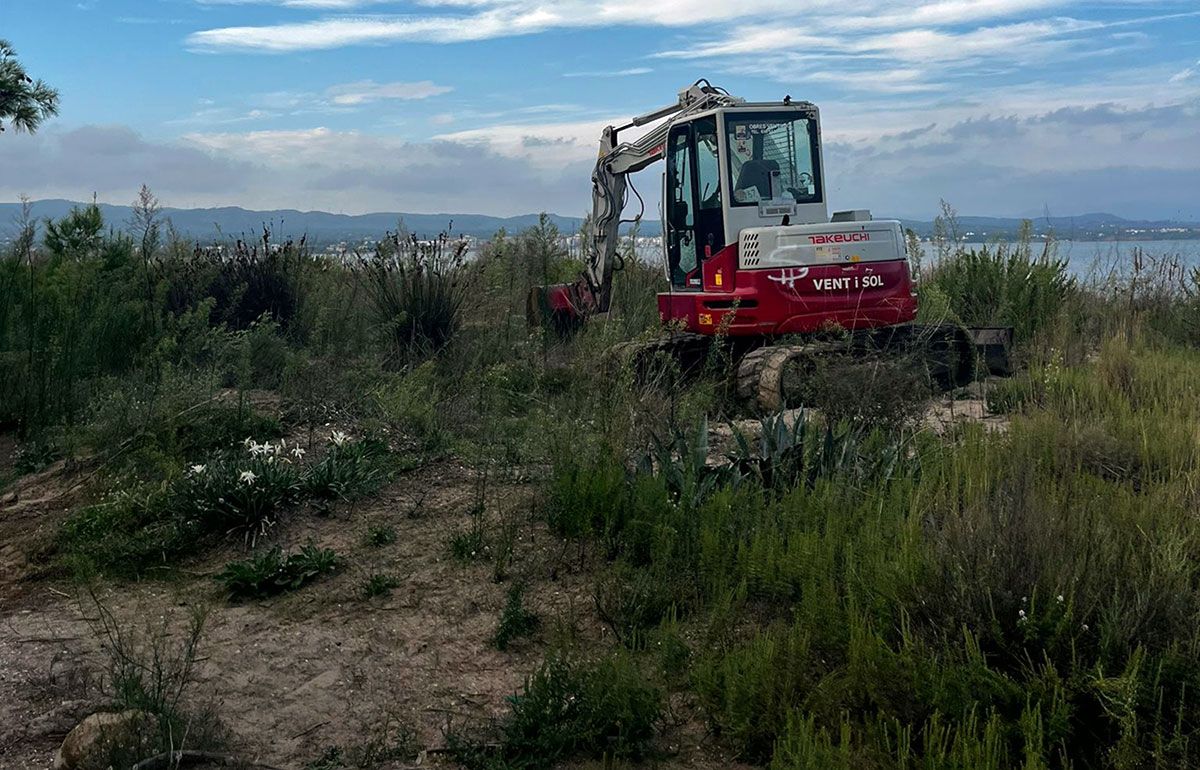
(733, 168)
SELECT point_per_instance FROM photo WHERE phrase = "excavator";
(752, 256)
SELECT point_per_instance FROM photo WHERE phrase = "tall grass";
(418, 289)
(1026, 597)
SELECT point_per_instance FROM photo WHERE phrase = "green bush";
(516, 620)
(418, 289)
(1004, 285)
(349, 470)
(603, 709)
(272, 572)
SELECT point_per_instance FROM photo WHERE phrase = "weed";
(272, 572)
(516, 620)
(380, 535)
(379, 585)
(149, 671)
(505, 544)
(392, 741)
(470, 544)
(1010, 395)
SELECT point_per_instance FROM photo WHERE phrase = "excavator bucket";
(554, 307)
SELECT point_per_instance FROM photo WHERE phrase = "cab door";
(679, 199)
(693, 218)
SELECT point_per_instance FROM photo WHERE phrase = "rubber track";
(677, 346)
(760, 373)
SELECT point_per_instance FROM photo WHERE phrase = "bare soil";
(322, 666)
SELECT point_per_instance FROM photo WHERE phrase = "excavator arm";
(566, 305)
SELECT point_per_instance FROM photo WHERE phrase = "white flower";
(339, 438)
(1060, 598)
(247, 442)
(1021, 613)
(198, 469)
(297, 452)
(247, 477)
(1085, 626)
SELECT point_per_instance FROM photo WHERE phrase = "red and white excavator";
(751, 252)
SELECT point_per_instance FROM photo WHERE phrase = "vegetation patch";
(273, 572)
(604, 708)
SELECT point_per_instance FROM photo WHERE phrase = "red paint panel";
(799, 299)
(720, 272)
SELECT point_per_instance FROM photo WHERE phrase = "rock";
(8, 499)
(91, 742)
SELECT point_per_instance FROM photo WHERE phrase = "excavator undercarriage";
(769, 375)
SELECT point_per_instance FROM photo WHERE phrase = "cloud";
(109, 160)
(616, 74)
(365, 91)
(452, 21)
(1134, 161)
(1186, 74)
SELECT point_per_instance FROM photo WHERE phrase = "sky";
(1001, 107)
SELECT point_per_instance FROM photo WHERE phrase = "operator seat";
(756, 173)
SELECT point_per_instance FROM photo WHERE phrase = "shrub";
(150, 670)
(874, 389)
(516, 620)
(1001, 285)
(568, 707)
(418, 289)
(272, 572)
(251, 280)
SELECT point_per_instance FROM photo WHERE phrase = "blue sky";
(1007, 107)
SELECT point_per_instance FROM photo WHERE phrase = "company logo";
(840, 238)
(788, 278)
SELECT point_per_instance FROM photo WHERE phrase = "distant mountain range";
(323, 227)
(320, 226)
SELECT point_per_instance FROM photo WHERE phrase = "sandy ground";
(294, 675)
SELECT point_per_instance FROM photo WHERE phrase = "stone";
(90, 742)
